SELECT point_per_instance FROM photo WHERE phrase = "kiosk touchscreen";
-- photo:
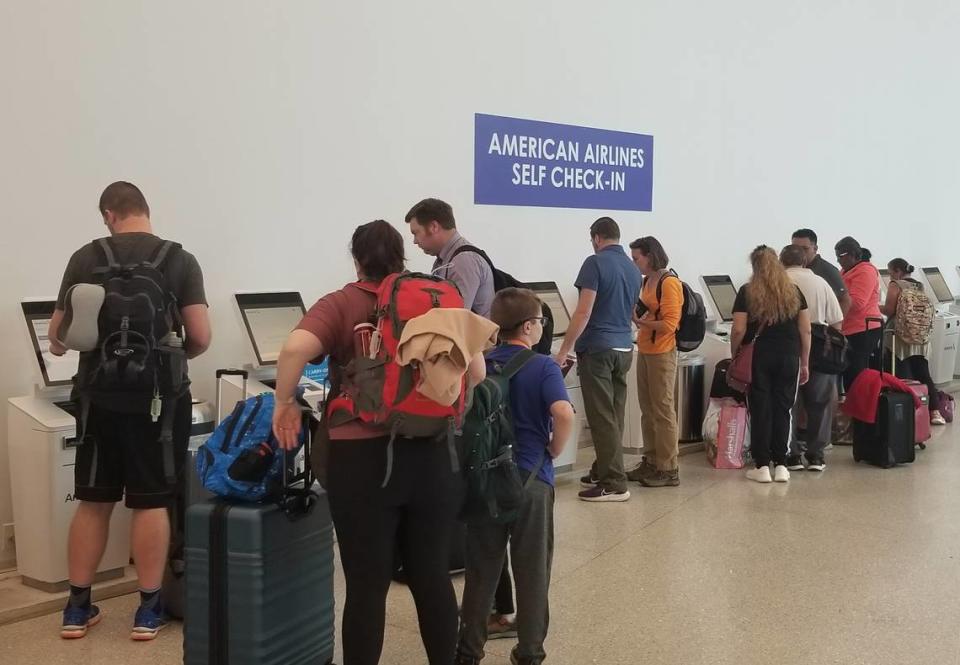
(938, 285)
(549, 293)
(57, 371)
(723, 294)
(269, 318)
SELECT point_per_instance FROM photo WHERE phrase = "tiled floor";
(859, 565)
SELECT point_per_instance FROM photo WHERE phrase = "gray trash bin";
(689, 397)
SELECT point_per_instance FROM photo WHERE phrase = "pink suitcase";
(922, 417)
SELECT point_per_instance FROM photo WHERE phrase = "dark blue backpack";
(241, 459)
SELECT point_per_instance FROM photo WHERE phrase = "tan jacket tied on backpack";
(443, 341)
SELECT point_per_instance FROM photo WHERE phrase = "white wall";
(262, 133)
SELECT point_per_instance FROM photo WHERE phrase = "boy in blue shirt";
(543, 420)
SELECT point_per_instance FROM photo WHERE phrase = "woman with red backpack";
(381, 486)
(911, 358)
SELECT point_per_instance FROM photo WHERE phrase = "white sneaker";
(781, 474)
(936, 418)
(761, 475)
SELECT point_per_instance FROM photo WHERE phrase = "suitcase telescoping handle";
(242, 373)
(295, 501)
(877, 319)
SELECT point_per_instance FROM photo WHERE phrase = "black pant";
(770, 399)
(916, 368)
(860, 348)
(421, 500)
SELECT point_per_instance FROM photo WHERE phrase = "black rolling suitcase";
(259, 579)
(890, 440)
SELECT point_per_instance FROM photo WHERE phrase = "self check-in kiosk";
(716, 343)
(267, 318)
(549, 293)
(946, 328)
(42, 444)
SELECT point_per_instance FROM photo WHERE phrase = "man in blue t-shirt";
(600, 332)
(542, 418)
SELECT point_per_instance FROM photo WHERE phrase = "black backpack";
(133, 358)
(486, 439)
(504, 280)
(693, 316)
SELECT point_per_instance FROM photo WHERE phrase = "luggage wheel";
(922, 446)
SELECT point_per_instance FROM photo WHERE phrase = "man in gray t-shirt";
(126, 450)
(806, 240)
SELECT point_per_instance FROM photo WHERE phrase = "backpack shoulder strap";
(517, 363)
(663, 276)
(163, 253)
(474, 250)
(111, 258)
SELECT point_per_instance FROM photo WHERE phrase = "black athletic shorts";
(121, 455)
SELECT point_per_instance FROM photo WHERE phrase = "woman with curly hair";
(771, 312)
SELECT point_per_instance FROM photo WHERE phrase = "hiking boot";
(643, 470)
(77, 620)
(501, 627)
(795, 463)
(147, 623)
(662, 479)
(598, 494)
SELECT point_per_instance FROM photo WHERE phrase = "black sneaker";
(643, 470)
(794, 463)
(598, 494)
(662, 479)
(588, 481)
(817, 465)
(465, 660)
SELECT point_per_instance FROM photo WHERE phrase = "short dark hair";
(432, 210)
(378, 249)
(901, 265)
(605, 228)
(791, 256)
(651, 248)
(123, 199)
(513, 307)
(806, 233)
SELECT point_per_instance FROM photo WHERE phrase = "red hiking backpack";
(377, 390)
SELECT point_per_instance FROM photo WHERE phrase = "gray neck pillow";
(81, 313)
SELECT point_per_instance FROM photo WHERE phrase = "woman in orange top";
(863, 284)
(657, 318)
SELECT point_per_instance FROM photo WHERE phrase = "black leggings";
(860, 348)
(417, 507)
(770, 399)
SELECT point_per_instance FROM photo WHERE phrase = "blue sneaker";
(147, 623)
(76, 621)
